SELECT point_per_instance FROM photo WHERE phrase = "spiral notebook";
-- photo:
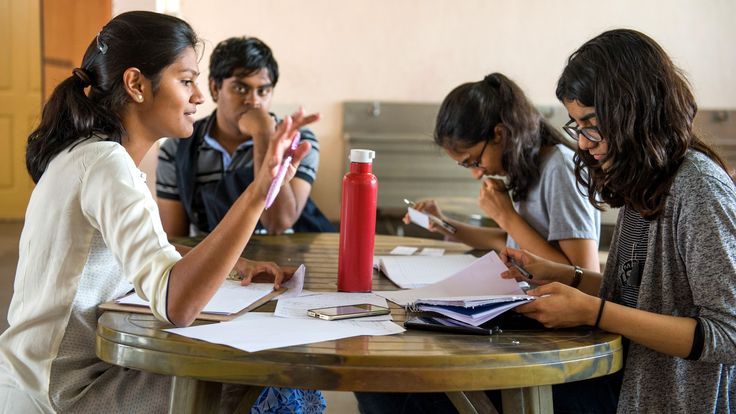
(473, 310)
(474, 295)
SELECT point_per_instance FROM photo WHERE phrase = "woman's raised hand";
(278, 149)
(495, 201)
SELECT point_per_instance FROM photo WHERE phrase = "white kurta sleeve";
(117, 202)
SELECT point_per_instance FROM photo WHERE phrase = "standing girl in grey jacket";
(669, 286)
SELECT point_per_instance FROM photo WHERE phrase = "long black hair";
(645, 112)
(145, 40)
(470, 113)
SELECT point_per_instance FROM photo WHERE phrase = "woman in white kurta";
(92, 227)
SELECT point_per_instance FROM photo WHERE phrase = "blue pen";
(521, 269)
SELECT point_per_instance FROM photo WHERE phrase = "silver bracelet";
(577, 277)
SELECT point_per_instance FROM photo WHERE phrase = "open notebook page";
(410, 272)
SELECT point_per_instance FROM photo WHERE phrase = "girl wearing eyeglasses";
(492, 129)
(669, 287)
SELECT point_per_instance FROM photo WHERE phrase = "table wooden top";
(412, 361)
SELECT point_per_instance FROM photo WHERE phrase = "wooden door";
(20, 99)
(45, 41)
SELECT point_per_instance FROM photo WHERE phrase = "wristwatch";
(577, 277)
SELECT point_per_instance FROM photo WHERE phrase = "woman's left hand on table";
(251, 271)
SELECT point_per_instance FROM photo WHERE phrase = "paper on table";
(403, 250)
(482, 277)
(297, 307)
(230, 297)
(295, 284)
(418, 271)
(256, 331)
(432, 251)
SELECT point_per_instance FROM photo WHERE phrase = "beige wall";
(331, 51)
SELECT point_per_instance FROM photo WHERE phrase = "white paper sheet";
(230, 297)
(432, 251)
(403, 250)
(256, 331)
(297, 307)
(418, 271)
(482, 277)
(419, 218)
(295, 284)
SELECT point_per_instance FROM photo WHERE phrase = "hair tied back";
(492, 80)
(82, 76)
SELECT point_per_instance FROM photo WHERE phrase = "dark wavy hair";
(645, 112)
(145, 40)
(248, 53)
(469, 114)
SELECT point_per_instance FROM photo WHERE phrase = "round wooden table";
(522, 363)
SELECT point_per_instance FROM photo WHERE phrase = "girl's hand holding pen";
(279, 148)
(558, 305)
(521, 261)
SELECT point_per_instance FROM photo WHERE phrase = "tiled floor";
(337, 402)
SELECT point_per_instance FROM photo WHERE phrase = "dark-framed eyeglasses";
(590, 132)
(476, 163)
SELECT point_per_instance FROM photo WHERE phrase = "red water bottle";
(357, 224)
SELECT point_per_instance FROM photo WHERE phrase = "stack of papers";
(475, 310)
(474, 295)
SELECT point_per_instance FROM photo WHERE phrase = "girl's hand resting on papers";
(495, 201)
(277, 150)
(429, 207)
(251, 271)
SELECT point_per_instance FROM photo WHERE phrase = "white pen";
(273, 191)
(436, 220)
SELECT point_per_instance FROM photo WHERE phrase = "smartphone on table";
(359, 310)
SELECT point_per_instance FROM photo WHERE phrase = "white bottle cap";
(362, 156)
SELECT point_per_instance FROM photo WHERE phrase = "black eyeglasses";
(590, 132)
(476, 163)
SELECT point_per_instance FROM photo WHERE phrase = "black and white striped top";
(632, 254)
